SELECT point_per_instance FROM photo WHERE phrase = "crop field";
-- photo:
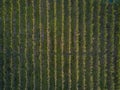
(59, 44)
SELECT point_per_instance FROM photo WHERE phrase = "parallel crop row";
(66, 44)
(30, 60)
(23, 44)
(33, 43)
(4, 50)
(77, 44)
(44, 44)
(82, 44)
(103, 39)
(96, 43)
(1, 45)
(117, 46)
(118, 82)
(60, 45)
(40, 44)
(37, 46)
(89, 34)
(69, 43)
(58, 40)
(10, 26)
(8, 75)
(48, 44)
(110, 46)
(16, 45)
(73, 63)
(55, 44)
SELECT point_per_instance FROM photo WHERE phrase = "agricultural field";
(59, 44)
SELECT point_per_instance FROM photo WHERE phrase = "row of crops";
(59, 45)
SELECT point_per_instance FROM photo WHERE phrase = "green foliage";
(60, 44)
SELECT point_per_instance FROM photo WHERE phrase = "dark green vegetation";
(59, 45)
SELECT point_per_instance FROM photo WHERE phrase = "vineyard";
(59, 45)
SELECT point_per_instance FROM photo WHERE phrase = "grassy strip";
(82, 43)
(110, 46)
(77, 44)
(37, 44)
(1, 45)
(89, 33)
(116, 46)
(69, 43)
(30, 65)
(16, 44)
(55, 45)
(62, 45)
(58, 43)
(103, 39)
(48, 44)
(96, 49)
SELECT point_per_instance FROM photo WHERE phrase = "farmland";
(59, 45)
